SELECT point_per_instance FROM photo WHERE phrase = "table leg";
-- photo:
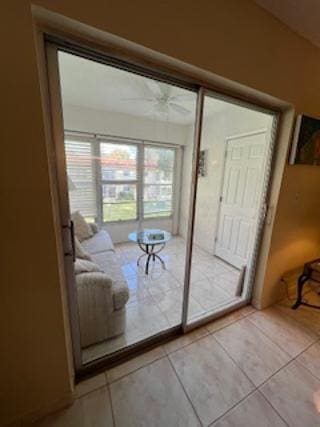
(138, 261)
(148, 258)
(301, 282)
(161, 260)
(147, 263)
(151, 254)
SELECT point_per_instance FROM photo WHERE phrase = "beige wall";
(233, 38)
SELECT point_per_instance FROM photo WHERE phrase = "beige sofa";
(102, 290)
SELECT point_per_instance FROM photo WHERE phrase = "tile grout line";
(267, 380)
(275, 410)
(277, 372)
(184, 391)
(282, 349)
(229, 355)
(205, 326)
(243, 316)
(138, 369)
(91, 391)
(186, 345)
(296, 359)
(256, 388)
(233, 406)
(260, 385)
(167, 353)
(111, 405)
(270, 339)
(296, 319)
(208, 332)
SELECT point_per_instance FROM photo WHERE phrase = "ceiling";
(89, 84)
(302, 16)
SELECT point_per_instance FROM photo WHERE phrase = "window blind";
(81, 170)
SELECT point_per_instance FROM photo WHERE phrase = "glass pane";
(124, 106)
(118, 161)
(119, 202)
(81, 178)
(233, 154)
(157, 200)
(158, 165)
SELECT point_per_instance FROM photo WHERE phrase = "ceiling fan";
(161, 97)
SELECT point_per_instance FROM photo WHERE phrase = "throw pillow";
(80, 251)
(85, 266)
(81, 228)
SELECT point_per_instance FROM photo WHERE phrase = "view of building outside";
(120, 172)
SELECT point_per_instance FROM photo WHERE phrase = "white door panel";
(242, 185)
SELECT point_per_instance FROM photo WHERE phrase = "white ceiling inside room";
(302, 16)
(88, 84)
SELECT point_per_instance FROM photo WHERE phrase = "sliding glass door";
(161, 191)
(235, 145)
(122, 150)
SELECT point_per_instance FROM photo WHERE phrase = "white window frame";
(96, 141)
(173, 183)
(119, 181)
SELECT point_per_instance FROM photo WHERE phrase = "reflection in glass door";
(233, 167)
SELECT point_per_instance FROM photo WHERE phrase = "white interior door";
(241, 193)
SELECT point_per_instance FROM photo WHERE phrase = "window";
(119, 181)
(81, 178)
(113, 184)
(158, 181)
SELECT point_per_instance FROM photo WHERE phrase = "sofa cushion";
(94, 227)
(85, 266)
(81, 228)
(80, 252)
(109, 263)
(99, 242)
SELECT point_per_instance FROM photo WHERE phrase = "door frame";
(84, 38)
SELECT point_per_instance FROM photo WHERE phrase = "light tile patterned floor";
(251, 368)
(156, 300)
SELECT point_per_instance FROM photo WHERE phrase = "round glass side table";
(151, 242)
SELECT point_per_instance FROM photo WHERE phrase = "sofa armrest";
(93, 279)
(94, 227)
(95, 302)
(121, 294)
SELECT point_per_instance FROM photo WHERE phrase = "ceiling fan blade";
(161, 108)
(166, 90)
(152, 87)
(144, 99)
(158, 89)
(189, 97)
(179, 109)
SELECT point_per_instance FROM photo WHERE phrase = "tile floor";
(248, 369)
(156, 300)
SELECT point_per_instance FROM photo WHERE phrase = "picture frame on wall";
(306, 142)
